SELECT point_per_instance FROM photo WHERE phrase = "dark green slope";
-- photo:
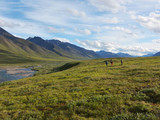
(13, 49)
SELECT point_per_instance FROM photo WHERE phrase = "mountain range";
(105, 54)
(64, 49)
(149, 55)
(14, 49)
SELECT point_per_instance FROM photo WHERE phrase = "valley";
(51, 80)
(79, 60)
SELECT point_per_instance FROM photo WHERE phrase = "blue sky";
(129, 26)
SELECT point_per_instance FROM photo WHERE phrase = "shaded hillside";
(64, 49)
(74, 50)
(105, 54)
(157, 54)
(39, 41)
(124, 55)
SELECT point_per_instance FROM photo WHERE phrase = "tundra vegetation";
(86, 90)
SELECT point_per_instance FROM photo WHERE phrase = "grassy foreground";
(86, 90)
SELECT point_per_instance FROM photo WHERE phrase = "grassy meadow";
(86, 90)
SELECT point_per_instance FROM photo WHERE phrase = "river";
(9, 74)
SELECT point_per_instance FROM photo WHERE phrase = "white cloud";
(107, 22)
(96, 29)
(152, 22)
(119, 29)
(55, 30)
(3, 6)
(81, 43)
(4, 22)
(109, 5)
(122, 29)
(61, 39)
(156, 41)
(59, 13)
(97, 45)
(84, 31)
(144, 6)
(76, 13)
(135, 49)
(104, 19)
(20, 28)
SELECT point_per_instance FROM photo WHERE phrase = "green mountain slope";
(14, 49)
(87, 90)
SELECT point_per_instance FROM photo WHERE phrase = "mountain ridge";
(36, 47)
(74, 48)
(64, 48)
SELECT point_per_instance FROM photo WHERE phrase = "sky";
(128, 26)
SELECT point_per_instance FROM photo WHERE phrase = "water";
(9, 74)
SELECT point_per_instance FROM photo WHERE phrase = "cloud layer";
(131, 26)
(109, 5)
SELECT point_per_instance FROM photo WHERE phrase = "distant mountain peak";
(105, 54)
(35, 37)
(124, 54)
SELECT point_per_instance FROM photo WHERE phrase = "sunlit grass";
(86, 90)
